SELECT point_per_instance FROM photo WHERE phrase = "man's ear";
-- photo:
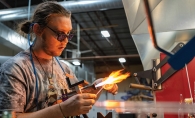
(37, 29)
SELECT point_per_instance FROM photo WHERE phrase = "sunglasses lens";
(61, 37)
(70, 36)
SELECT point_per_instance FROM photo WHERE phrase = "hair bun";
(25, 27)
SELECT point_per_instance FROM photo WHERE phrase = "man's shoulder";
(19, 59)
(65, 67)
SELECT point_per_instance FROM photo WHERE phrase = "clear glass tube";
(180, 110)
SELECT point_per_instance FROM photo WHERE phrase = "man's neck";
(40, 53)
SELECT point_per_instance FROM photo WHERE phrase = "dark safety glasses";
(62, 36)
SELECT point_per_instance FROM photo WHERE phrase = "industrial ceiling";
(91, 17)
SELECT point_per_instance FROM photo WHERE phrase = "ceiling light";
(105, 33)
(122, 60)
(76, 63)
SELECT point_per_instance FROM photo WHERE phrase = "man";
(31, 81)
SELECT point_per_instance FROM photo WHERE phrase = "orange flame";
(114, 77)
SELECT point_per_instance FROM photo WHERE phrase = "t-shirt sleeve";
(12, 87)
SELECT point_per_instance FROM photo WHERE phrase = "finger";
(89, 96)
(115, 93)
(85, 111)
(86, 108)
(114, 89)
(88, 102)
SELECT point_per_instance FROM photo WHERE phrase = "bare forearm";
(50, 112)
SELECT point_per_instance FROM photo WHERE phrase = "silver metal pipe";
(78, 39)
(86, 51)
(72, 43)
(29, 4)
(102, 57)
(73, 6)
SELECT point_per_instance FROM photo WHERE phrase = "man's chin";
(57, 54)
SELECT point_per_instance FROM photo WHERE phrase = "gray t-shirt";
(18, 82)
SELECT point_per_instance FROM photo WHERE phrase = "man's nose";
(65, 40)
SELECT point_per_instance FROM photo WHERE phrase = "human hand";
(78, 104)
(111, 88)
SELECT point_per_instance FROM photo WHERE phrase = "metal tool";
(151, 74)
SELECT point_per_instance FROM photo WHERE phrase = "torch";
(107, 83)
(115, 77)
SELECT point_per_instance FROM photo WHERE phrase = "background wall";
(5, 51)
